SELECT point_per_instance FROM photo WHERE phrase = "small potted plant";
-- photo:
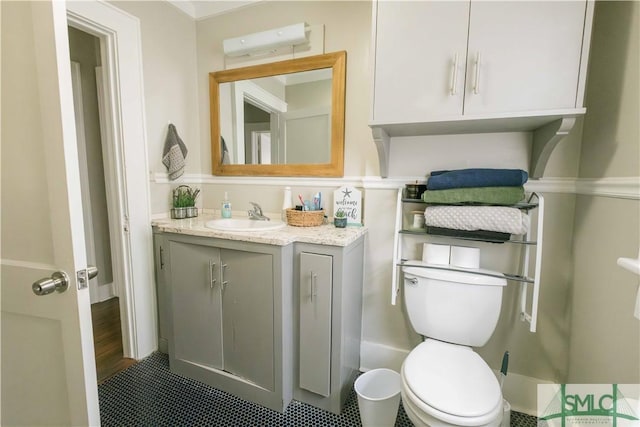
(191, 196)
(340, 219)
(184, 202)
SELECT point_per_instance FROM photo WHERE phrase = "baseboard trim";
(104, 292)
(519, 390)
(375, 355)
(617, 187)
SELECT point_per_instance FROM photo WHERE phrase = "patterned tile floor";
(148, 394)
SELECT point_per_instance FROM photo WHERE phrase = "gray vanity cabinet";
(328, 291)
(247, 319)
(315, 322)
(223, 305)
(161, 291)
(196, 304)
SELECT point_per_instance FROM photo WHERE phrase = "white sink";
(243, 224)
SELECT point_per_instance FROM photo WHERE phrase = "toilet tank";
(452, 306)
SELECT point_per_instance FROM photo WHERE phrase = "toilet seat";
(451, 382)
(421, 414)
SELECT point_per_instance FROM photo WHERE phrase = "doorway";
(93, 159)
(126, 170)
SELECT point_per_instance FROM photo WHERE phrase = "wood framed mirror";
(279, 119)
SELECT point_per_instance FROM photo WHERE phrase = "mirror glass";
(282, 119)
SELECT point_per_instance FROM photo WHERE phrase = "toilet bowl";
(447, 384)
(444, 382)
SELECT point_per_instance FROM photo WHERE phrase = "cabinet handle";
(314, 282)
(454, 77)
(212, 280)
(224, 282)
(476, 84)
(161, 258)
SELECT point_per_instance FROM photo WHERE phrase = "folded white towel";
(174, 153)
(471, 218)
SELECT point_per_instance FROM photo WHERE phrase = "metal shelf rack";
(528, 309)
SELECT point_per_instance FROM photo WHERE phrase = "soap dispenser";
(226, 207)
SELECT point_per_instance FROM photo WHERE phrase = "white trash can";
(378, 393)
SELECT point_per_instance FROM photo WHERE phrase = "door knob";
(59, 281)
(92, 271)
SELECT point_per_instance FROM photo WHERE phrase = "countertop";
(326, 234)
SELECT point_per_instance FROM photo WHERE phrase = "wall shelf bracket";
(382, 140)
(545, 139)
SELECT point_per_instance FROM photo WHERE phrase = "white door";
(47, 356)
(529, 55)
(420, 60)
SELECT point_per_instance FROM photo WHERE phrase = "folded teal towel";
(466, 178)
(481, 195)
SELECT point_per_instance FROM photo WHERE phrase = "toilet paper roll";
(433, 253)
(465, 257)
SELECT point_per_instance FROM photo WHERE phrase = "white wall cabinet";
(523, 56)
(439, 59)
(471, 67)
(416, 45)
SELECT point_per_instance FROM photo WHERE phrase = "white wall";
(605, 337)
(170, 85)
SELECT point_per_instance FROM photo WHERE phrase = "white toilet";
(444, 382)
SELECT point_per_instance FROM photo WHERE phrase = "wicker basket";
(305, 218)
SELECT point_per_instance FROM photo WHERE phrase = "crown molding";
(198, 10)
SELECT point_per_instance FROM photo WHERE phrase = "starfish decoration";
(346, 192)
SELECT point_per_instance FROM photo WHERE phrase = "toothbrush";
(503, 369)
(301, 199)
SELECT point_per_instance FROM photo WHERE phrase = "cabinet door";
(529, 55)
(161, 268)
(196, 304)
(416, 75)
(248, 315)
(315, 322)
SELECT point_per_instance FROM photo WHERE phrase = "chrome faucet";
(256, 213)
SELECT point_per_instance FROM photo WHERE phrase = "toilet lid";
(452, 379)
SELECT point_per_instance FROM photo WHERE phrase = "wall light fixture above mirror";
(279, 119)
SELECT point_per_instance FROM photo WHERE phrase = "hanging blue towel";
(465, 178)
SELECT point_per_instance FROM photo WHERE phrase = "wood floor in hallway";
(107, 339)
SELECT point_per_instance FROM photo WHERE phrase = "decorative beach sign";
(349, 200)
